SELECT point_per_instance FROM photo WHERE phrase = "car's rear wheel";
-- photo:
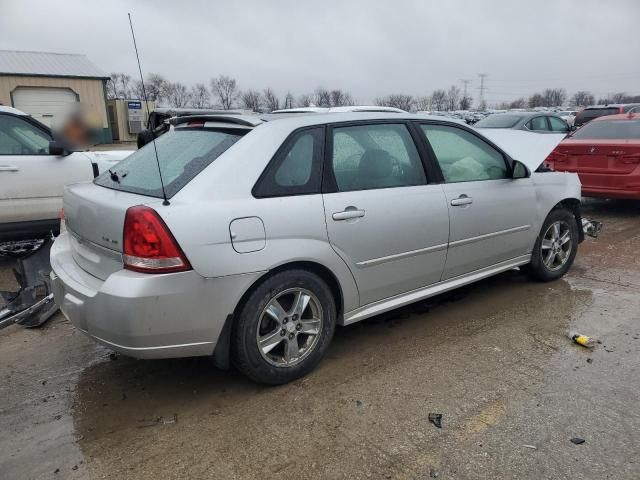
(556, 246)
(284, 327)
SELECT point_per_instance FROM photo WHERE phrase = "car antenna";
(146, 103)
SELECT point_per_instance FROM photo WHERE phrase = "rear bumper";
(142, 315)
(611, 185)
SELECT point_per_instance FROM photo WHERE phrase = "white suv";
(32, 177)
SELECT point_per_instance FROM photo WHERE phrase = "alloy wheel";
(289, 327)
(556, 245)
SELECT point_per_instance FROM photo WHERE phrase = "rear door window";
(182, 154)
(375, 156)
(538, 124)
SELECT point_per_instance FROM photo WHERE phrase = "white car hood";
(108, 158)
(527, 147)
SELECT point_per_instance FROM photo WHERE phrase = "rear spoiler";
(243, 120)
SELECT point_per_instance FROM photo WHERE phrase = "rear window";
(182, 154)
(591, 113)
(499, 121)
(610, 129)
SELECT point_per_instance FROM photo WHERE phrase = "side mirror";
(58, 148)
(520, 170)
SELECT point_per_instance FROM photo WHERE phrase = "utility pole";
(482, 87)
(465, 84)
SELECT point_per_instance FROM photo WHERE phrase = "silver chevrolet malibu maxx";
(265, 235)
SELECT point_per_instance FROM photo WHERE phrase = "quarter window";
(296, 170)
(375, 156)
(463, 157)
(18, 137)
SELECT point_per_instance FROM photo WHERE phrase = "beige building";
(127, 118)
(48, 85)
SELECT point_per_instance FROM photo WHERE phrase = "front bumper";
(145, 315)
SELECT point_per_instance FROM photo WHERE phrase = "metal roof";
(13, 62)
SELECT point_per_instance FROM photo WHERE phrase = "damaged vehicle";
(34, 168)
(249, 241)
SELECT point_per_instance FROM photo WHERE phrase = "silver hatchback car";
(274, 232)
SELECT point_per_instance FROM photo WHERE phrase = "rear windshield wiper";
(114, 176)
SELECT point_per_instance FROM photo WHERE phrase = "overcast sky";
(369, 48)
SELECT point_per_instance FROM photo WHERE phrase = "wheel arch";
(574, 206)
(222, 351)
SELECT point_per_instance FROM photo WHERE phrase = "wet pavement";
(492, 358)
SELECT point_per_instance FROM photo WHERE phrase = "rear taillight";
(149, 246)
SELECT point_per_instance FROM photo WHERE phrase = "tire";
(547, 265)
(269, 328)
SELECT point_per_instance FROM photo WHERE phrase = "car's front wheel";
(284, 327)
(556, 246)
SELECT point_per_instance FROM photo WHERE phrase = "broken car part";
(32, 305)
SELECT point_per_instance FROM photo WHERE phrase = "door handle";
(348, 213)
(8, 168)
(462, 200)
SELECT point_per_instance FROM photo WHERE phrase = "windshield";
(499, 121)
(610, 129)
(182, 154)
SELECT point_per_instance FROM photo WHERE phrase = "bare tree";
(536, 100)
(177, 94)
(554, 97)
(340, 98)
(422, 103)
(453, 98)
(251, 100)
(155, 86)
(466, 102)
(322, 97)
(582, 98)
(226, 89)
(482, 106)
(288, 100)
(306, 100)
(200, 97)
(438, 99)
(271, 101)
(398, 100)
(119, 86)
(518, 103)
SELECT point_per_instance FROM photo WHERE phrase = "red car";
(605, 154)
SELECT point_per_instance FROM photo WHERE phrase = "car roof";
(610, 105)
(343, 109)
(14, 111)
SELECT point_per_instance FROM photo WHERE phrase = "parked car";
(589, 113)
(272, 233)
(568, 116)
(539, 122)
(605, 153)
(33, 171)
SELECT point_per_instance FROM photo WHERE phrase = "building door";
(44, 103)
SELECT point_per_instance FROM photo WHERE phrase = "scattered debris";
(610, 350)
(532, 447)
(433, 473)
(75, 467)
(154, 422)
(436, 419)
(589, 360)
(359, 403)
(581, 339)
(577, 440)
(57, 470)
(591, 228)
